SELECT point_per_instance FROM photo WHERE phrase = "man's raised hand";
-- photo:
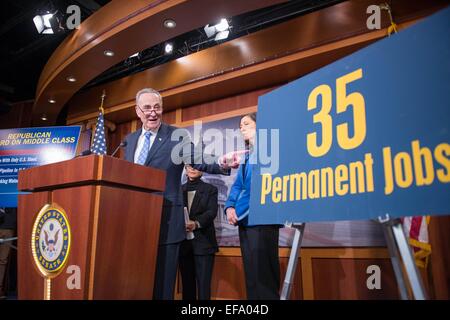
(232, 159)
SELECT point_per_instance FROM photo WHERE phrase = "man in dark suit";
(8, 227)
(165, 147)
(197, 255)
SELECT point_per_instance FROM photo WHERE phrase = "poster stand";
(402, 259)
(401, 255)
(293, 259)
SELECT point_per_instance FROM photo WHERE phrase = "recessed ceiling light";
(71, 79)
(108, 53)
(52, 100)
(169, 23)
(44, 117)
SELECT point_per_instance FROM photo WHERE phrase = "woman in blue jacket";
(259, 243)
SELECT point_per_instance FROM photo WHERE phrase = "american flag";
(416, 229)
(99, 143)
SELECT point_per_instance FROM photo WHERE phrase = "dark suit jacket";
(204, 210)
(173, 228)
(8, 219)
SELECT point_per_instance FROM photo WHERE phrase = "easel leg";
(293, 260)
(400, 251)
(396, 261)
(408, 259)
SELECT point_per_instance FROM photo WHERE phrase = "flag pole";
(393, 27)
(98, 144)
(103, 99)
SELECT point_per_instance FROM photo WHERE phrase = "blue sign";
(28, 147)
(366, 136)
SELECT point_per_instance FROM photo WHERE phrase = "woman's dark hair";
(253, 117)
(250, 115)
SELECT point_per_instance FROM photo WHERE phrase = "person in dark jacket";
(8, 226)
(197, 255)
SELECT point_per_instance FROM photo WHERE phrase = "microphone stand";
(121, 145)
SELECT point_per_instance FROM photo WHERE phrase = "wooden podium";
(113, 208)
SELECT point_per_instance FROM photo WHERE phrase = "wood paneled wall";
(118, 135)
(19, 116)
(439, 269)
(222, 106)
(322, 273)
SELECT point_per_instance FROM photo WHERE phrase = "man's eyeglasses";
(147, 109)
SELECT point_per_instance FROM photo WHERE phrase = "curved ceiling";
(124, 27)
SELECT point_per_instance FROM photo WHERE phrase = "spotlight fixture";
(222, 35)
(44, 117)
(71, 79)
(220, 30)
(108, 53)
(49, 23)
(210, 30)
(52, 100)
(168, 49)
(170, 24)
(133, 59)
(42, 23)
(222, 25)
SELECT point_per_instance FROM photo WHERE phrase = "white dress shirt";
(141, 140)
(190, 198)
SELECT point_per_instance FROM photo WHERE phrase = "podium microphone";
(84, 153)
(121, 145)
